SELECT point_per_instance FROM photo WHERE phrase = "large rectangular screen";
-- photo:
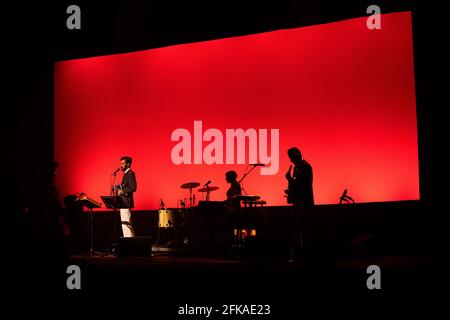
(340, 92)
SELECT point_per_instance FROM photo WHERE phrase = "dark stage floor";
(396, 238)
(312, 276)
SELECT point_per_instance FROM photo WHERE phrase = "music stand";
(114, 203)
(90, 204)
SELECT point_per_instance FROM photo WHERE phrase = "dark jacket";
(129, 186)
(301, 186)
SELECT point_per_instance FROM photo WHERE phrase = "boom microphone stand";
(241, 223)
(246, 173)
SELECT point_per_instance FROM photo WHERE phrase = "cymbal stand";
(190, 197)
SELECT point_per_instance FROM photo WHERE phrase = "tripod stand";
(246, 173)
(245, 215)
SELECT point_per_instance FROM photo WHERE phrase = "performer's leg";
(306, 227)
(125, 217)
(295, 230)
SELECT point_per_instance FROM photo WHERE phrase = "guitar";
(291, 190)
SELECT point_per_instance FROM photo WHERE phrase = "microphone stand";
(243, 223)
(206, 185)
(246, 173)
(114, 211)
(113, 182)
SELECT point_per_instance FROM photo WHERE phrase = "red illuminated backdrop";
(340, 92)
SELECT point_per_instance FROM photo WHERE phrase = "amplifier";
(134, 247)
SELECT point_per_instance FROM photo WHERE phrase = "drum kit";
(181, 229)
(184, 226)
(192, 185)
(175, 223)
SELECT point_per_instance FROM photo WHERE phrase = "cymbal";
(190, 185)
(208, 188)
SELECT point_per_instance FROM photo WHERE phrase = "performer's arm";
(131, 185)
(288, 174)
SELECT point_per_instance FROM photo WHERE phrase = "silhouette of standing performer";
(300, 188)
(52, 235)
(300, 195)
(55, 211)
(126, 190)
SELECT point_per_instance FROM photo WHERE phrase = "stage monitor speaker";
(134, 247)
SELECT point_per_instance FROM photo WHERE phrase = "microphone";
(117, 170)
(258, 164)
(206, 184)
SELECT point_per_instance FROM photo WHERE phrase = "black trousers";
(301, 227)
